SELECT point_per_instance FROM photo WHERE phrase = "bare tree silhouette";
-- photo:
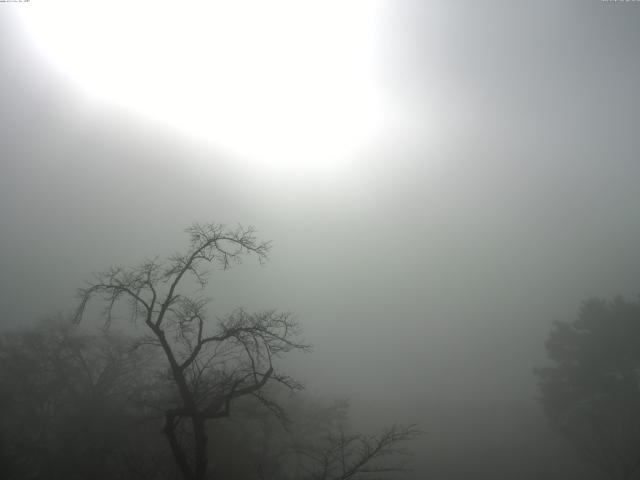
(211, 363)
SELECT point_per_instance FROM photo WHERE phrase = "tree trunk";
(200, 437)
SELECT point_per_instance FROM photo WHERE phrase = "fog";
(426, 269)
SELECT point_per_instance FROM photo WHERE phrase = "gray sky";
(430, 275)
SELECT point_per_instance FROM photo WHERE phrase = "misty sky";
(428, 267)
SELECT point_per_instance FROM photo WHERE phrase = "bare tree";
(358, 456)
(210, 363)
(314, 444)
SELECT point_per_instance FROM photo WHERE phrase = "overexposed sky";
(292, 88)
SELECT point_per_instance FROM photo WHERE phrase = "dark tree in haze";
(69, 405)
(591, 393)
(211, 363)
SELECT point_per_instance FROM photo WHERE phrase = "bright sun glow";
(287, 84)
